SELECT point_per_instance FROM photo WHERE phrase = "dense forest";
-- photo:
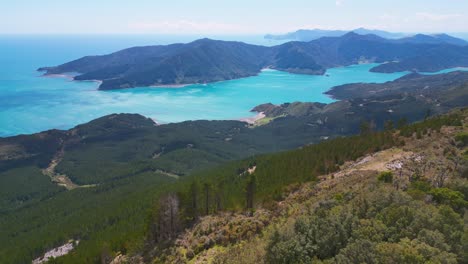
(387, 222)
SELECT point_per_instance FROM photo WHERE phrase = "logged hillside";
(209, 60)
(402, 201)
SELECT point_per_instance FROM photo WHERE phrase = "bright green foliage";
(321, 235)
(386, 176)
(450, 197)
(434, 124)
(378, 226)
(462, 138)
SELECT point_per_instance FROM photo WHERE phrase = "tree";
(388, 126)
(250, 191)
(367, 128)
(193, 196)
(402, 122)
(207, 191)
(385, 176)
(360, 251)
(219, 196)
(167, 222)
(412, 251)
(106, 254)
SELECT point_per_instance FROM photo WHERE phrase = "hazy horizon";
(209, 17)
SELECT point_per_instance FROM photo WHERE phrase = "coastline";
(253, 119)
(70, 77)
(56, 75)
(174, 86)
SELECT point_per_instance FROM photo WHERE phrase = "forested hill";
(201, 61)
(397, 196)
(411, 84)
(209, 60)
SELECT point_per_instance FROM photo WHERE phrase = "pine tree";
(250, 191)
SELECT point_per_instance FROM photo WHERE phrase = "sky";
(228, 17)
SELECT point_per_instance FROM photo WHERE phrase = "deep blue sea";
(31, 103)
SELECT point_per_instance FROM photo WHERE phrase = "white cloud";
(387, 17)
(339, 2)
(437, 17)
(185, 26)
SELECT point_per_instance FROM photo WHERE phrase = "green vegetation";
(137, 166)
(23, 187)
(253, 182)
(379, 223)
(433, 124)
(462, 138)
(386, 176)
(110, 213)
(378, 226)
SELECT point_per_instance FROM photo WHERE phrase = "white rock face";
(56, 252)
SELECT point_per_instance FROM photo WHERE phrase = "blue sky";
(229, 17)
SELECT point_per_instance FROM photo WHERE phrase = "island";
(207, 60)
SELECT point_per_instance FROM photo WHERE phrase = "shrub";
(386, 176)
(462, 138)
(450, 197)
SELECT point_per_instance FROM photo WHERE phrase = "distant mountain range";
(209, 60)
(313, 34)
(433, 39)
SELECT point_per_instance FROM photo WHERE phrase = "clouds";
(437, 17)
(185, 27)
(231, 17)
(422, 22)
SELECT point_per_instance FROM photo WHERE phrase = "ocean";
(32, 103)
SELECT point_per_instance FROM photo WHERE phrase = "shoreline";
(173, 86)
(252, 120)
(57, 75)
(69, 77)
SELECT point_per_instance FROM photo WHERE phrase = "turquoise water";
(446, 71)
(30, 103)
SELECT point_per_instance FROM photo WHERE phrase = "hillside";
(201, 61)
(208, 60)
(114, 168)
(422, 86)
(433, 39)
(390, 197)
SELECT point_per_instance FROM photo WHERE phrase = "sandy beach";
(70, 77)
(252, 120)
(66, 76)
(170, 85)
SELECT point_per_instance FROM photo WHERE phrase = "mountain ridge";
(313, 34)
(209, 60)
